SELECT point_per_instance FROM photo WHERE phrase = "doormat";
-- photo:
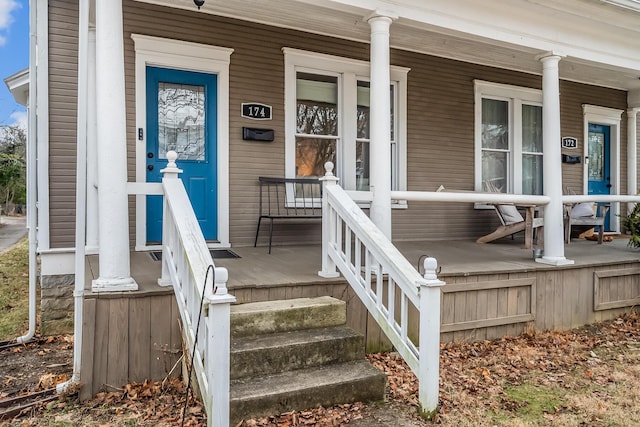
(215, 253)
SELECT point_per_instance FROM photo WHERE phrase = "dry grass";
(14, 290)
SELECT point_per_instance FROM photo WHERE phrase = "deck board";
(492, 290)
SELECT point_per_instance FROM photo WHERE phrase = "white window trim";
(517, 95)
(350, 71)
(161, 52)
(609, 117)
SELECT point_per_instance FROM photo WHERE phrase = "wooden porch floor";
(493, 290)
(299, 265)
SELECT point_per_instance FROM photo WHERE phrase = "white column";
(632, 154)
(551, 163)
(92, 159)
(113, 220)
(380, 122)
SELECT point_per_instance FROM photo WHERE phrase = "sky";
(14, 56)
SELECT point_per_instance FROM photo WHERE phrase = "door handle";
(609, 185)
(150, 167)
(150, 155)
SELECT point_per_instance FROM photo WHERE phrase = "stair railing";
(388, 285)
(185, 261)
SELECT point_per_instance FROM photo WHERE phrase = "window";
(508, 139)
(327, 118)
(316, 123)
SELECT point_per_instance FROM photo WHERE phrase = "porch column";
(632, 154)
(551, 163)
(92, 160)
(113, 222)
(380, 122)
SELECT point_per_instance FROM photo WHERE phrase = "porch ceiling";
(503, 33)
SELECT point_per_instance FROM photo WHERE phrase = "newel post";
(429, 375)
(171, 171)
(217, 363)
(328, 223)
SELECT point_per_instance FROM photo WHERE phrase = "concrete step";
(284, 351)
(286, 315)
(306, 388)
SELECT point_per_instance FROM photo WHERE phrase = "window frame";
(516, 96)
(350, 71)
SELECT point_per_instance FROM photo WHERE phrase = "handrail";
(604, 198)
(385, 281)
(185, 261)
(470, 197)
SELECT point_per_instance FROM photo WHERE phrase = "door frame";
(168, 53)
(608, 117)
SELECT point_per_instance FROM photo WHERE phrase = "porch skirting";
(128, 337)
(135, 336)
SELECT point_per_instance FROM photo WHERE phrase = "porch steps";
(297, 354)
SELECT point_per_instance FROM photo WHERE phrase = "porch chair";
(511, 222)
(585, 214)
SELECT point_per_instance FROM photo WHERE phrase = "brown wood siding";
(572, 97)
(440, 121)
(439, 126)
(256, 74)
(63, 67)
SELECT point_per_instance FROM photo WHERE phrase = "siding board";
(440, 121)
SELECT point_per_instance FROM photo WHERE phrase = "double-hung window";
(508, 139)
(327, 118)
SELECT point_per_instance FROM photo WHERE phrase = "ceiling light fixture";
(198, 3)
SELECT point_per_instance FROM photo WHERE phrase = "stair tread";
(257, 318)
(292, 338)
(302, 379)
(261, 306)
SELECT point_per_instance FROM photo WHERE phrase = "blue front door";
(181, 116)
(599, 161)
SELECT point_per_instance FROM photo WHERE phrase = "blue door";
(181, 116)
(599, 161)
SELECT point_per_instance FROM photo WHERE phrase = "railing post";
(170, 172)
(429, 372)
(328, 224)
(217, 365)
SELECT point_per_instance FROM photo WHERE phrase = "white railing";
(186, 264)
(470, 197)
(354, 245)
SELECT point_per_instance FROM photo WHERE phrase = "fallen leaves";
(48, 381)
(584, 369)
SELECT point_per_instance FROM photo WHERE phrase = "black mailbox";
(254, 134)
(567, 158)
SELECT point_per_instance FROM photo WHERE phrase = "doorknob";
(150, 167)
(150, 155)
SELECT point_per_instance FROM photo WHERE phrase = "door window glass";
(596, 156)
(181, 121)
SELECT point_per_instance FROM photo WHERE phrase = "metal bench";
(288, 199)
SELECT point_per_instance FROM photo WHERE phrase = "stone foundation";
(56, 304)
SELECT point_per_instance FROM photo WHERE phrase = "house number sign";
(569, 142)
(256, 111)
